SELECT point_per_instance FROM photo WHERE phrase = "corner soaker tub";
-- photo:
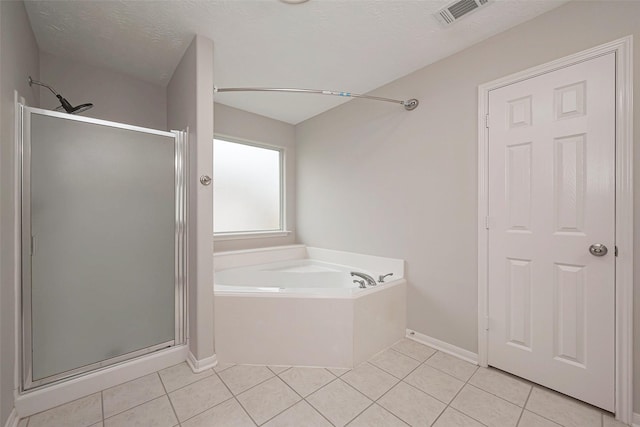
(298, 306)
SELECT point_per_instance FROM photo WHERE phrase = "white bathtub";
(298, 306)
(309, 276)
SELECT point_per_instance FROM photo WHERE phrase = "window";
(247, 195)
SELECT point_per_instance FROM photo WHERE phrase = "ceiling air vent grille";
(458, 9)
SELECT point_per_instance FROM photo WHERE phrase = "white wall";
(19, 53)
(191, 93)
(375, 179)
(240, 124)
(115, 96)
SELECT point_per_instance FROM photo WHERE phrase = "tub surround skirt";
(298, 326)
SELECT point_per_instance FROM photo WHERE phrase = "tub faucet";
(370, 280)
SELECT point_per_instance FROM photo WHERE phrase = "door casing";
(623, 49)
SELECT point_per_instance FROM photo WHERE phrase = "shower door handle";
(205, 180)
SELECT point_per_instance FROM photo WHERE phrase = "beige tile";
(81, 413)
(338, 372)
(452, 365)
(452, 418)
(156, 413)
(198, 397)
(529, 419)
(227, 414)
(502, 385)
(563, 410)
(371, 381)
(377, 416)
(307, 380)
(486, 408)
(414, 349)
(222, 366)
(339, 402)
(436, 383)
(300, 414)
(411, 405)
(278, 369)
(125, 396)
(397, 364)
(609, 421)
(181, 375)
(100, 424)
(23, 422)
(242, 377)
(268, 399)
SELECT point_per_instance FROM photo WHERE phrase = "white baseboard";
(13, 419)
(444, 347)
(51, 396)
(201, 365)
(636, 420)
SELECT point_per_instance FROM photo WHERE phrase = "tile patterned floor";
(408, 384)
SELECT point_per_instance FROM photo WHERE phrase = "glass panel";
(247, 189)
(103, 223)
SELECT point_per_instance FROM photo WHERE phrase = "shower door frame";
(180, 247)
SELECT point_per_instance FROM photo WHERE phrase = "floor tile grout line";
(233, 396)
(545, 417)
(498, 396)
(348, 385)
(102, 404)
(281, 412)
(317, 410)
(136, 406)
(253, 386)
(191, 383)
(524, 406)
(205, 410)
(173, 408)
(454, 396)
(311, 404)
(408, 355)
(458, 393)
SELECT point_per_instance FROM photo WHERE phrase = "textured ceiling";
(350, 45)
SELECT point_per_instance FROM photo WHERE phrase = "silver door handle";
(205, 180)
(598, 249)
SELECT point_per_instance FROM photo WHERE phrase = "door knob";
(598, 249)
(205, 180)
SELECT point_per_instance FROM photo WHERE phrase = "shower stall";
(103, 237)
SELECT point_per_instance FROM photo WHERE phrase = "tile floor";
(407, 384)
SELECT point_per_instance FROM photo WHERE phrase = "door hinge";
(486, 323)
(486, 222)
(33, 245)
(486, 121)
(615, 251)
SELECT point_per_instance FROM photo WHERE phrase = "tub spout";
(370, 280)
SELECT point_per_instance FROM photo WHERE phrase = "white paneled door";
(551, 216)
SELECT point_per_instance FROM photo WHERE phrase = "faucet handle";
(381, 277)
(360, 282)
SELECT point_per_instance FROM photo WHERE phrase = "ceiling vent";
(458, 9)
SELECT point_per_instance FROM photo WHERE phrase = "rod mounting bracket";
(410, 104)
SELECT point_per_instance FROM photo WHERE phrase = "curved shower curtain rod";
(409, 104)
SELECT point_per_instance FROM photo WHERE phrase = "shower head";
(66, 105)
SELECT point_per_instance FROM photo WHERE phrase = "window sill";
(252, 235)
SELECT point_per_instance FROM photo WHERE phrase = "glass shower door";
(102, 243)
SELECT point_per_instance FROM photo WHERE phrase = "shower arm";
(409, 104)
(35, 82)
